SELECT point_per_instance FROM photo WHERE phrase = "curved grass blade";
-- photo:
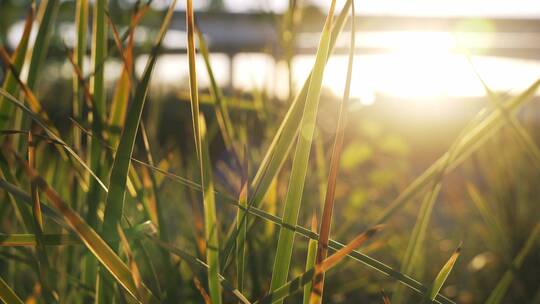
(324, 234)
(7, 295)
(301, 159)
(443, 274)
(51, 134)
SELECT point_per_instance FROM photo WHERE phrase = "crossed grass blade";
(282, 142)
(277, 295)
(301, 158)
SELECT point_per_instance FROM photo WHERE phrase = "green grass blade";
(119, 171)
(222, 111)
(301, 159)
(29, 240)
(498, 293)
(283, 140)
(194, 91)
(205, 166)
(310, 259)
(47, 16)
(7, 294)
(81, 24)
(97, 117)
(10, 83)
(443, 274)
(99, 53)
(241, 225)
(211, 224)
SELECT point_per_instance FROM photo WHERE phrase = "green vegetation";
(115, 206)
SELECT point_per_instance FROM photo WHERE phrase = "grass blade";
(443, 274)
(310, 259)
(194, 92)
(47, 15)
(199, 129)
(81, 23)
(241, 222)
(10, 83)
(222, 112)
(211, 225)
(322, 247)
(301, 159)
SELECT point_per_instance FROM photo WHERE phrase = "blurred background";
(416, 84)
